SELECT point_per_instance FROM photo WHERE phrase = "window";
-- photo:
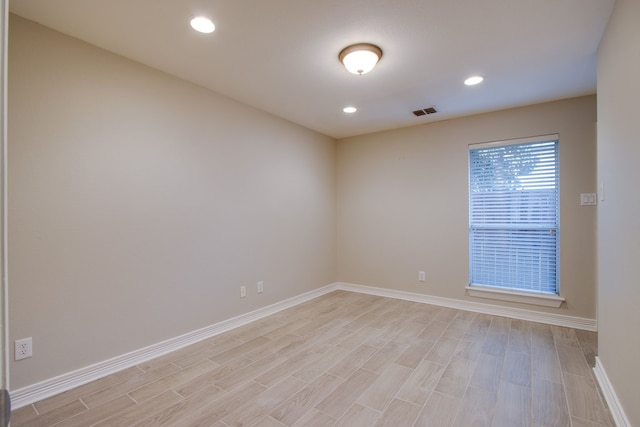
(514, 215)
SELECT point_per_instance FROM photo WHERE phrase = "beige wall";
(403, 202)
(139, 204)
(619, 214)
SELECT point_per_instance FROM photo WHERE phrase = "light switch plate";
(588, 199)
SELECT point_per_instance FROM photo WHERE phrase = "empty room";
(337, 213)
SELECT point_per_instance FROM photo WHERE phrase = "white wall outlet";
(260, 287)
(24, 348)
(421, 276)
(243, 291)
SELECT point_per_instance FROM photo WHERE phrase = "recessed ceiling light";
(202, 24)
(349, 110)
(473, 80)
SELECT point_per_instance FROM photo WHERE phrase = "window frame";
(506, 293)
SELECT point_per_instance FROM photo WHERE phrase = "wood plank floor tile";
(358, 416)
(589, 344)
(434, 330)
(577, 422)
(476, 408)
(379, 394)
(549, 404)
(251, 412)
(353, 361)
(439, 411)
(313, 418)
(95, 415)
(513, 407)
(457, 328)
(266, 422)
(343, 396)
(469, 348)
(517, 368)
(315, 368)
(54, 416)
(478, 328)
(399, 413)
(500, 325)
(170, 381)
(296, 406)
(173, 414)
(211, 377)
(135, 413)
(495, 343)
(421, 382)
(415, 353)
(565, 336)
(385, 356)
(239, 350)
(519, 337)
(22, 416)
(136, 381)
(545, 363)
(284, 368)
(54, 402)
(572, 360)
(218, 409)
(488, 372)
(250, 372)
(456, 377)
(584, 400)
(442, 350)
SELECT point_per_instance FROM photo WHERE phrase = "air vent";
(428, 110)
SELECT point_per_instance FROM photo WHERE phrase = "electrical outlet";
(24, 348)
(260, 287)
(421, 276)
(243, 291)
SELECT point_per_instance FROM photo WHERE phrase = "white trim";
(36, 392)
(490, 292)
(4, 289)
(515, 141)
(516, 313)
(617, 412)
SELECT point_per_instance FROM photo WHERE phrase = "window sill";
(545, 300)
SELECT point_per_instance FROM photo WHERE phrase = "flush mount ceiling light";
(473, 80)
(202, 24)
(349, 110)
(360, 58)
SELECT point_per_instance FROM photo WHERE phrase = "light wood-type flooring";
(348, 359)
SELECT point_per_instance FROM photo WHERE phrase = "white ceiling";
(281, 56)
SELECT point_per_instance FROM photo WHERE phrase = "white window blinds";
(514, 215)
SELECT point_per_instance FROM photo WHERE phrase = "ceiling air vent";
(429, 110)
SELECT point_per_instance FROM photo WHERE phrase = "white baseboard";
(36, 392)
(617, 412)
(496, 310)
(50, 387)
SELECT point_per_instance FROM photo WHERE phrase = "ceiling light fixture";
(202, 24)
(349, 110)
(360, 58)
(473, 80)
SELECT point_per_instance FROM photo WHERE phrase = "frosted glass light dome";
(360, 58)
